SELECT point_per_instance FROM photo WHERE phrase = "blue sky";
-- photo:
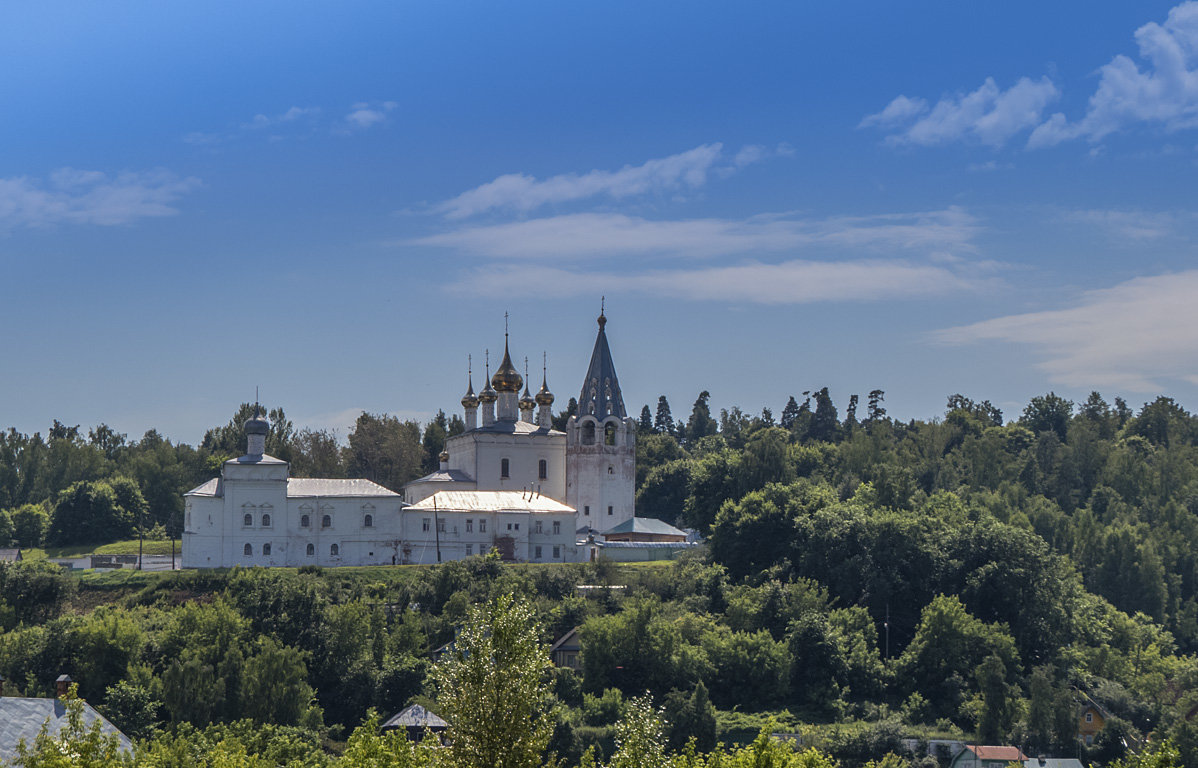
(337, 203)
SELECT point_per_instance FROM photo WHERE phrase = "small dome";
(470, 400)
(258, 425)
(544, 396)
(488, 395)
(444, 457)
(526, 401)
(507, 378)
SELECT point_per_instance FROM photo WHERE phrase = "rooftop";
(490, 501)
(445, 476)
(22, 718)
(1007, 754)
(306, 487)
(647, 525)
(415, 716)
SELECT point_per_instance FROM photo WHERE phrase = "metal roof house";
(644, 529)
(417, 721)
(23, 718)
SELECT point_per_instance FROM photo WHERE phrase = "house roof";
(647, 525)
(490, 501)
(306, 487)
(10, 555)
(1052, 762)
(415, 716)
(444, 476)
(644, 544)
(263, 459)
(571, 635)
(504, 427)
(1008, 754)
(22, 718)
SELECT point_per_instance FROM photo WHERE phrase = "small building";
(567, 651)
(10, 555)
(22, 719)
(644, 529)
(979, 756)
(416, 721)
(1052, 762)
(1091, 720)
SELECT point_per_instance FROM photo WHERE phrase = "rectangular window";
(609, 510)
(537, 553)
(504, 467)
(482, 526)
(543, 469)
(537, 527)
(469, 550)
(557, 527)
(441, 526)
(586, 509)
(427, 524)
(469, 526)
(517, 526)
(557, 553)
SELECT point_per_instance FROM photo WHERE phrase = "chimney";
(63, 685)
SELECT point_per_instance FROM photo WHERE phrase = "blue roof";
(601, 389)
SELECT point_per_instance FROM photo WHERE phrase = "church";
(509, 482)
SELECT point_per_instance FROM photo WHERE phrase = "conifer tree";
(663, 422)
(789, 413)
(645, 425)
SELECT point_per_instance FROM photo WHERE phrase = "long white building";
(510, 482)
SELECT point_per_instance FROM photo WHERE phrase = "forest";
(865, 581)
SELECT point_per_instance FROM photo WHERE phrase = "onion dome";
(488, 395)
(257, 425)
(444, 457)
(544, 396)
(507, 378)
(526, 402)
(470, 400)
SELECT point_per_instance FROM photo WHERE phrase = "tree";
(875, 411)
(1049, 412)
(998, 701)
(229, 440)
(30, 523)
(385, 450)
(645, 425)
(700, 424)
(492, 689)
(435, 433)
(691, 717)
(825, 423)
(663, 422)
(90, 512)
(850, 415)
(316, 453)
(274, 684)
(640, 741)
(789, 413)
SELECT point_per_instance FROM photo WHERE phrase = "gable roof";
(302, 487)
(443, 476)
(415, 716)
(22, 718)
(489, 501)
(1007, 754)
(571, 635)
(645, 525)
(10, 555)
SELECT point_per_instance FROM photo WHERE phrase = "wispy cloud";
(1130, 337)
(584, 235)
(1164, 92)
(1131, 225)
(364, 114)
(686, 170)
(988, 115)
(789, 282)
(72, 196)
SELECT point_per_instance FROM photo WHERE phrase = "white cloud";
(788, 282)
(74, 196)
(1130, 337)
(586, 235)
(1164, 92)
(364, 115)
(1132, 225)
(520, 192)
(291, 115)
(988, 115)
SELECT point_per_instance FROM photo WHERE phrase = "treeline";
(71, 487)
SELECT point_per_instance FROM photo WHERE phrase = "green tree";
(30, 523)
(75, 746)
(663, 422)
(644, 425)
(386, 450)
(691, 717)
(1048, 413)
(90, 511)
(274, 684)
(825, 422)
(700, 424)
(640, 737)
(492, 689)
(789, 413)
(998, 701)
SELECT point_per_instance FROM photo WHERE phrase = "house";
(1091, 720)
(567, 651)
(978, 756)
(1052, 762)
(22, 718)
(644, 529)
(417, 721)
(10, 555)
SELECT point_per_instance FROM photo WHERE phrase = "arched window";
(305, 521)
(326, 521)
(504, 465)
(311, 550)
(248, 520)
(248, 550)
(588, 433)
(542, 469)
(368, 521)
(609, 434)
(266, 550)
(334, 550)
(610, 471)
(266, 521)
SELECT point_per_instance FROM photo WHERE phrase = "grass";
(111, 548)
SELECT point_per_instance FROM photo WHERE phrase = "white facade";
(601, 470)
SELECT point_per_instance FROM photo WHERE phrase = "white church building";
(509, 482)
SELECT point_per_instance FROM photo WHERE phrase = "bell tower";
(601, 445)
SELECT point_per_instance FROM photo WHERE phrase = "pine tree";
(875, 410)
(701, 424)
(645, 426)
(664, 422)
(825, 423)
(790, 413)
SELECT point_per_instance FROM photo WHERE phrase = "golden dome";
(488, 395)
(544, 396)
(526, 401)
(444, 457)
(470, 400)
(507, 378)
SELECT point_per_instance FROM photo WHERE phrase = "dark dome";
(258, 425)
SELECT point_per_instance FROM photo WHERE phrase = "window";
(557, 527)
(588, 433)
(482, 526)
(248, 520)
(469, 550)
(1089, 717)
(305, 521)
(266, 521)
(609, 434)
(537, 527)
(610, 471)
(440, 526)
(426, 524)
(248, 550)
(509, 526)
(609, 509)
(542, 469)
(536, 553)
(469, 525)
(334, 550)
(311, 550)
(586, 509)
(517, 526)
(557, 553)
(368, 521)
(326, 521)
(503, 468)
(266, 550)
